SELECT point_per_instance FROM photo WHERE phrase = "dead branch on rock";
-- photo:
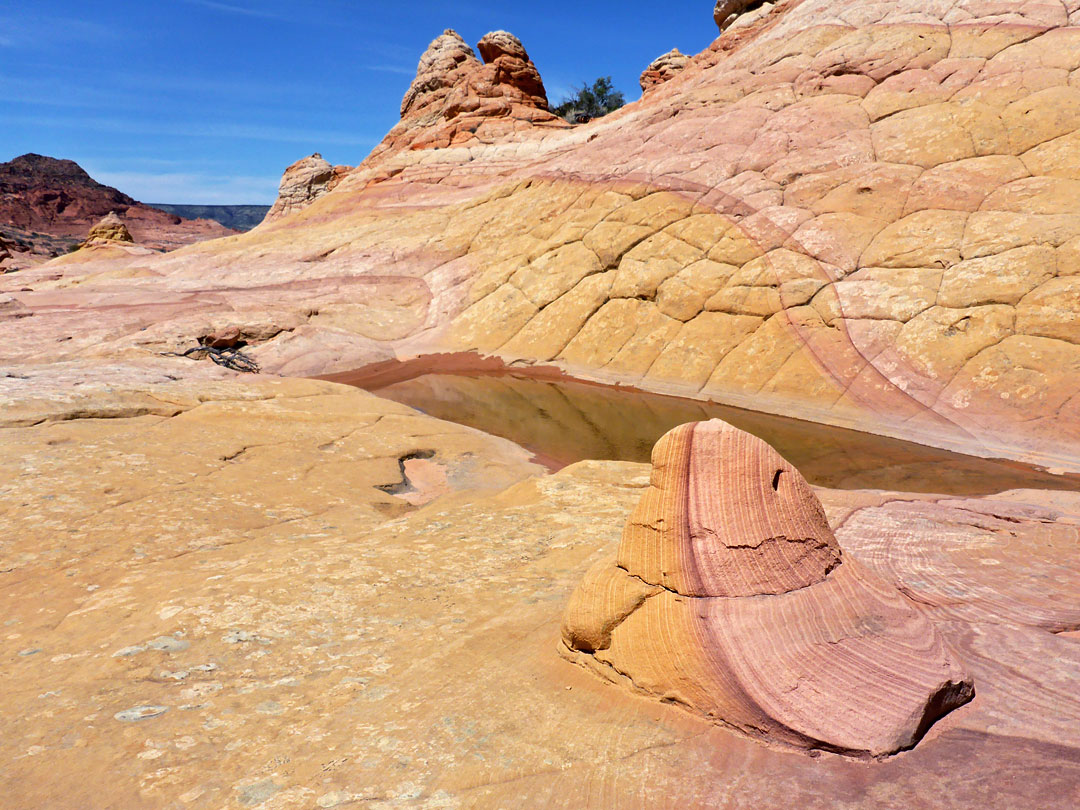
(230, 357)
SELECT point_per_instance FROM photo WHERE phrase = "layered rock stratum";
(729, 595)
(58, 198)
(456, 99)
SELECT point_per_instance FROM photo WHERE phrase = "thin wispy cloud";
(188, 129)
(229, 8)
(50, 94)
(391, 69)
(389, 51)
(273, 87)
(189, 188)
(34, 31)
(110, 90)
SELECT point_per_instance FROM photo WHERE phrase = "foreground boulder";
(731, 596)
(272, 588)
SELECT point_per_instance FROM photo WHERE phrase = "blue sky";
(207, 101)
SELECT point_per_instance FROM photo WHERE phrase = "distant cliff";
(46, 195)
(237, 217)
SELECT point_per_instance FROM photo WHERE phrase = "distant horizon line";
(211, 205)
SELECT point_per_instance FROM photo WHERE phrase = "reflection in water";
(563, 422)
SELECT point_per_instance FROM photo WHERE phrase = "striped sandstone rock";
(731, 596)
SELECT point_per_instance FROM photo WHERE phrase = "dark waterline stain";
(563, 421)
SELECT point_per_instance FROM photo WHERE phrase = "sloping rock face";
(729, 595)
(663, 68)
(303, 183)
(30, 248)
(859, 215)
(59, 198)
(110, 229)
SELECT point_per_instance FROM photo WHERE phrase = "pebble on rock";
(138, 713)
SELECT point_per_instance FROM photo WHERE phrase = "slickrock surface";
(249, 622)
(860, 214)
(729, 595)
(277, 593)
(304, 182)
(663, 68)
(109, 229)
(57, 197)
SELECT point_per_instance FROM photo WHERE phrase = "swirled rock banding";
(730, 595)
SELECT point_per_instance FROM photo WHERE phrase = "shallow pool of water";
(564, 422)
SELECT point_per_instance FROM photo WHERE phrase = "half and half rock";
(730, 595)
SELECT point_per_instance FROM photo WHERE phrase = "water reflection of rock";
(564, 422)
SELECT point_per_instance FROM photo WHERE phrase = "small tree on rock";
(591, 101)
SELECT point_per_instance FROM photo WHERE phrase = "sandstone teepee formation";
(730, 595)
(109, 229)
